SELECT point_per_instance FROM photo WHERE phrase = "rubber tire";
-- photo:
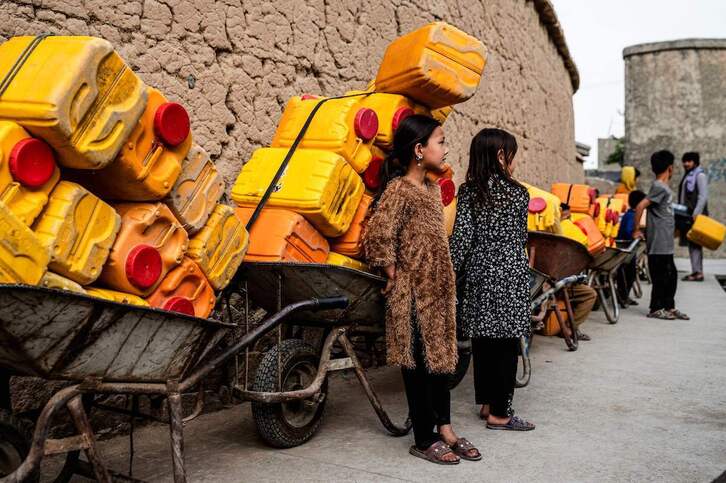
(463, 347)
(269, 419)
(19, 433)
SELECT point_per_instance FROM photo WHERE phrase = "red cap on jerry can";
(179, 304)
(171, 123)
(31, 162)
(366, 124)
(448, 190)
(372, 175)
(143, 266)
(536, 205)
(401, 114)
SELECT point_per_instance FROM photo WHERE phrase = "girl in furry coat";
(405, 237)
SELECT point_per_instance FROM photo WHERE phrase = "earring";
(418, 160)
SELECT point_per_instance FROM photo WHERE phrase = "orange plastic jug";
(186, 290)
(551, 324)
(341, 126)
(150, 161)
(391, 109)
(220, 246)
(437, 65)
(442, 114)
(115, 296)
(196, 191)
(349, 244)
(79, 228)
(283, 236)
(75, 93)
(595, 239)
(150, 243)
(578, 196)
(319, 185)
(343, 261)
(55, 281)
(28, 172)
(23, 258)
(445, 182)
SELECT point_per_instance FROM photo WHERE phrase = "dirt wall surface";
(235, 63)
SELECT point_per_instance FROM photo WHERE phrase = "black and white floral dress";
(488, 250)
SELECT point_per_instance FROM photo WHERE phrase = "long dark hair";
(410, 132)
(484, 161)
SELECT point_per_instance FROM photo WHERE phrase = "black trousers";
(429, 401)
(626, 279)
(495, 373)
(665, 282)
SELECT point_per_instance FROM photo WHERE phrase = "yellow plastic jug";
(391, 109)
(149, 163)
(319, 185)
(608, 216)
(450, 217)
(23, 259)
(115, 296)
(196, 191)
(75, 93)
(220, 246)
(343, 261)
(573, 232)
(442, 114)
(543, 211)
(342, 126)
(55, 281)
(437, 65)
(707, 232)
(28, 172)
(79, 229)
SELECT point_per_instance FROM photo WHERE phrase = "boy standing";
(659, 228)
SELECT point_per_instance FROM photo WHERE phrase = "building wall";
(674, 99)
(235, 63)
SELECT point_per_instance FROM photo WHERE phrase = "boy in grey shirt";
(659, 229)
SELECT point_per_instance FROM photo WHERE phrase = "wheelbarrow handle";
(330, 303)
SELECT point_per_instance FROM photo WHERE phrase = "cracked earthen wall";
(234, 64)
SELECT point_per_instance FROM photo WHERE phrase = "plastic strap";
(288, 156)
(569, 192)
(22, 59)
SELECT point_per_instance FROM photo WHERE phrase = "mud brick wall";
(234, 64)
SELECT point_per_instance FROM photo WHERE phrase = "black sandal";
(435, 453)
(515, 424)
(462, 447)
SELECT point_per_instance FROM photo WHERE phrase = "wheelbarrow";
(559, 257)
(603, 270)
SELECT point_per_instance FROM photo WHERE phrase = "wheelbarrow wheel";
(284, 425)
(525, 343)
(637, 288)
(463, 347)
(608, 299)
(16, 436)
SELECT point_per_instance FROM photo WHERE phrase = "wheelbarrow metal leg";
(570, 319)
(176, 428)
(392, 428)
(526, 363)
(80, 419)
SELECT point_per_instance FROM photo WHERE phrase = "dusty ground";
(644, 401)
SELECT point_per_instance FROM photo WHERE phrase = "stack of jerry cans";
(543, 212)
(578, 196)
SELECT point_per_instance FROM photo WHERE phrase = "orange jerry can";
(220, 246)
(349, 244)
(342, 126)
(196, 191)
(372, 175)
(551, 324)
(23, 258)
(149, 163)
(445, 182)
(578, 196)
(76, 93)
(391, 109)
(595, 239)
(437, 65)
(442, 114)
(283, 236)
(186, 290)
(28, 172)
(79, 228)
(150, 243)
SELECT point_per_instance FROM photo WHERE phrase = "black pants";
(495, 372)
(626, 279)
(664, 275)
(429, 401)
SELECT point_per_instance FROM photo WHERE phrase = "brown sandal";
(462, 447)
(435, 453)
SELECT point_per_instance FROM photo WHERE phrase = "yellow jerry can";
(342, 126)
(319, 185)
(55, 281)
(450, 217)
(28, 172)
(442, 114)
(573, 232)
(543, 211)
(220, 246)
(76, 93)
(343, 261)
(437, 65)
(23, 259)
(196, 191)
(115, 296)
(707, 232)
(150, 161)
(390, 109)
(79, 229)
(608, 215)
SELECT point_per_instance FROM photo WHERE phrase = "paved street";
(644, 401)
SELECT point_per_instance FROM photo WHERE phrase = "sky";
(597, 31)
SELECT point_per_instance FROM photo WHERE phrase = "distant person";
(693, 193)
(628, 179)
(627, 273)
(659, 229)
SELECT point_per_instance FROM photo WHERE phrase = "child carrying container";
(405, 237)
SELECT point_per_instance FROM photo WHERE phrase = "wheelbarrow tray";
(66, 336)
(557, 256)
(536, 280)
(302, 281)
(613, 257)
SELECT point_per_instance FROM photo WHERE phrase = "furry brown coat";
(407, 230)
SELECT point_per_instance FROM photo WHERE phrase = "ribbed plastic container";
(186, 290)
(23, 258)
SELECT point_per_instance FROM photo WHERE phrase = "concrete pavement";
(644, 401)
